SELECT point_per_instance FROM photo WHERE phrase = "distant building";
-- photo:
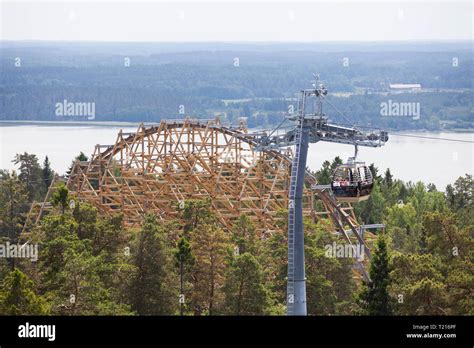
(405, 86)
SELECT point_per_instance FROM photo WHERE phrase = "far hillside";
(150, 81)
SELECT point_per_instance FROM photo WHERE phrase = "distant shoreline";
(76, 123)
(136, 124)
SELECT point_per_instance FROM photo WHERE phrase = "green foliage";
(461, 194)
(244, 236)
(210, 246)
(329, 279)
(371, 211)
(460, 280)
(81, 157)
(196, 212)
(151, 291)
(417, 283)
(183, 253)
(439, 281)
(374, 298)
(324, 175)
(184, 260)
(245, 291)
(78, 276)
(60, 198)
(18, 297)
(47, 173)
(30, 175)
(13, 205)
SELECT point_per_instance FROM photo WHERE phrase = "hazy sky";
(237, 21)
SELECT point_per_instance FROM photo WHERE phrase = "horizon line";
(248, 42)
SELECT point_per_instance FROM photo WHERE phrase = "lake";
(410, 159)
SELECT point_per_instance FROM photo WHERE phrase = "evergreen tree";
(461, 194)
(371, 211)
(13, 205)
(81, 157)
(30, 174)
(151, 289)
(196, 212)
(417, 283)
(18, 297)
(245, 292)
(324, 175)
(210, 247)
(375, 173)
(275, 258)
(74, 279)
(184, 261)
(244, 235)
(388, 178)
(329, 278)
(374, 298)
(47, 174)
(60, 198)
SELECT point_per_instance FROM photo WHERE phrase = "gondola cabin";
(352, 182)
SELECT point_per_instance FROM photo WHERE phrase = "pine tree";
(60, 198)
(324, 175)
(419, 284)
(374, 298)
(461, 195)
(75, 279)
(274, 256)
(13, 205)
(196, 212)
(388, 178)
(371, 211)
(244, 235)
(46, 174)
(245, 292)
(184, 261)
(329, 279)
(81, 157)
(150, 292)
(210, 246)
(30, 174)
(17, 296)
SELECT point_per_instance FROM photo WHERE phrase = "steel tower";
(311, 126)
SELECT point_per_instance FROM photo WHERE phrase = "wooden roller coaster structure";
(157, 168)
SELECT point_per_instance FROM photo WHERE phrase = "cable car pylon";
(311, 126)
(296, 286)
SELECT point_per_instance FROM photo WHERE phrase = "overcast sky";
(237, 21)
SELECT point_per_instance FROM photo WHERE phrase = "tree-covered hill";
(147, 82)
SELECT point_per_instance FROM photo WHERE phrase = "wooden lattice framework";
(157, 168)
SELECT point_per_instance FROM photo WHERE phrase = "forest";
(148, 82)
(422, 262)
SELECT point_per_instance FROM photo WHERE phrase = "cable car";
(352, 181)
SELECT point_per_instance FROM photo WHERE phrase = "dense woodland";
(423, 263)
(149, 82)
